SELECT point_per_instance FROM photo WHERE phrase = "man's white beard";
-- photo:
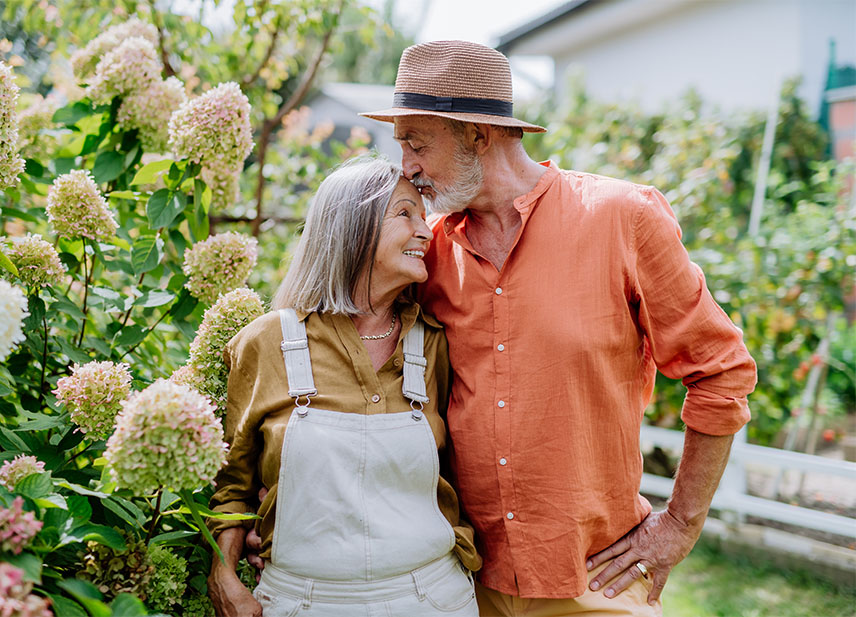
(462, 191)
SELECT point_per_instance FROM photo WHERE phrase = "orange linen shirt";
(555, 357)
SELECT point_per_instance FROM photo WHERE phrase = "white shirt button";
(509, 516)
(501, 404)
(502, 461)
(375, 398)
(501, 347)
(498, 290)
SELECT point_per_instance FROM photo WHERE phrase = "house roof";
(510, 39)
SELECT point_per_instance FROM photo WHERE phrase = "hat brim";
(389, 115)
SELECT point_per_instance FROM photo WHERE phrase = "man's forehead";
(416, 127)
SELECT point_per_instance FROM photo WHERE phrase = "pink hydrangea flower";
(77, 209)
(149, 108)
(219, 264)
(13, 311)
(17, 528)
(166, 436)
(19, 467)
(220, 323)
(15, 597)
(93, 394)
(213, 129)
(131, 66)
(84, 61)
(37, 261)
(11, 165)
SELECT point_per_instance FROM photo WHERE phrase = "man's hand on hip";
(659, 543)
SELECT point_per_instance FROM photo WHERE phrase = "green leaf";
(88, 595)
(69, 308)
(129, 336)
(42, 422)
(99, 533)
(128, 605)
(111, 296)
(34, 168)
(125, 510)
(74, 354)
(35, 485)
(36, 307)
(161, 208)
(220, 516)
(7, 265)
(197, 219)
(10, 441)
(170, 536)
(133, 195)
(79, 508)
(154, 298)
(52, 501)
(193, 507)
(183, 306)
(175, 175)
(108, 166)
(81, 490)
(65, 607)
(149, 173)
(29, 563)
(70, 114)
(146, 253)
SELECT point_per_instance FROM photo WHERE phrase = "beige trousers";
(633, 601)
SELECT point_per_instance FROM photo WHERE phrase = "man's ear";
(480, 136)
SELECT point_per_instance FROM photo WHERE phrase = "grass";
(710, 583)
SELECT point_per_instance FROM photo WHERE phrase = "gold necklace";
(376, 337)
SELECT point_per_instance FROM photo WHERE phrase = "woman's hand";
(230, 597)
(227, 592)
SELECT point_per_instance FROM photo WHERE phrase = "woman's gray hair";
(340, 237)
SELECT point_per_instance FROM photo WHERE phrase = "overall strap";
(295, 352)
(414, 364)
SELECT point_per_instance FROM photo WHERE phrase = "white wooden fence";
(732, 499)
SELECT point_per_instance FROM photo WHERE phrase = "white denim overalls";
(358, 531)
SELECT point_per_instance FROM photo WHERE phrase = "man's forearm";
(702, 463)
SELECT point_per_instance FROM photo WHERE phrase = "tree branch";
(247, 81)
(164, 54)
(293, 101)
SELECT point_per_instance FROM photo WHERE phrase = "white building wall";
(733, 52)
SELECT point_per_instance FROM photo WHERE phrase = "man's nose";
(408, 166)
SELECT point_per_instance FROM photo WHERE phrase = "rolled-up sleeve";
(690, 336)
(237, 484)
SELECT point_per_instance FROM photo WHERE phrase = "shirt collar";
(455, 223)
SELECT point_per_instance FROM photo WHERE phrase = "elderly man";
(562, 293)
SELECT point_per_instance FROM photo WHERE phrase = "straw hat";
(455, 79)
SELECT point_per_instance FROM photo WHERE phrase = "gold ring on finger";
(641, 567)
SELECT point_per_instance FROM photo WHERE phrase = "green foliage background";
(787, 288)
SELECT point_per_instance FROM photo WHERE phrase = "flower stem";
(155, 518)
(149, 331)
(128, 312)
(87, 275)
(44, 360)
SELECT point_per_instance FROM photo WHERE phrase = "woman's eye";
(404, 213)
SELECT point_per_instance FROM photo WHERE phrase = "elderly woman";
(336, 404)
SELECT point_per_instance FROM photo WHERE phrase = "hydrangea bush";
(106, 467)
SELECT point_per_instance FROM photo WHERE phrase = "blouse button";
(500, 347)
(501, 404)
(509, 516)
(375, 398)
(502, 461)
(498, 290)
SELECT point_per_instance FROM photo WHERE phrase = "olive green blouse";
(259, 407)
